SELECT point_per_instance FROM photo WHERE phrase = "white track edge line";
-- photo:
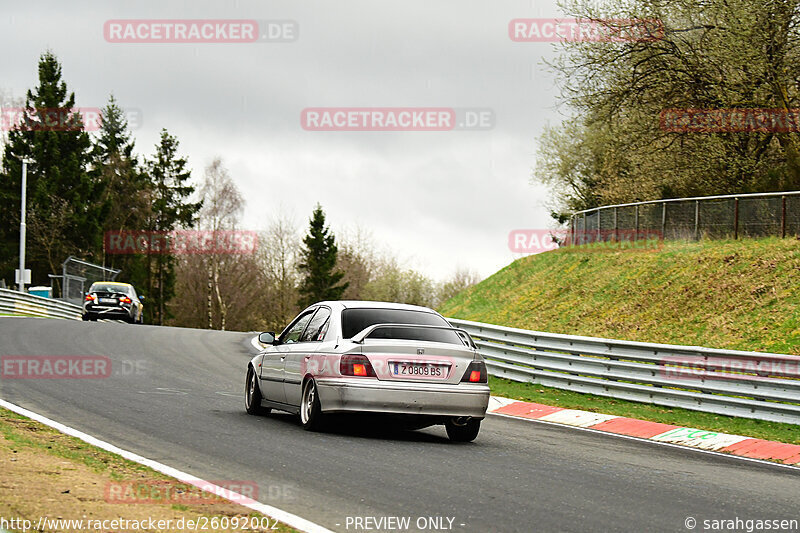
(642, 439)
(256, 344)
(273, 512)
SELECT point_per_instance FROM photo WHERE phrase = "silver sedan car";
(371, 357)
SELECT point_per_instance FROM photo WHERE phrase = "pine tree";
(114, 137)
(318, 261)
(63, 214)
(171, 209)
(125, 196)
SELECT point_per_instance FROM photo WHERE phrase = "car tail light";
(90, 298)
(476, 373)
(125, 300)
(356, 365)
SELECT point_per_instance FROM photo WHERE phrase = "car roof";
(361, 304)
(112, 283)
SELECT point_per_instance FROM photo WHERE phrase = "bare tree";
(711, 54)
(358, 258)
(47, 231)
(231, 282)
(279, 246)
(462, 279)
(222, 206)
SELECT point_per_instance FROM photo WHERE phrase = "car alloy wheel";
(252, 395)
(310, 410)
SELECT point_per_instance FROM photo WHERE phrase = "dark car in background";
(113, 300)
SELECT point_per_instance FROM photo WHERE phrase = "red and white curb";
(738, 445)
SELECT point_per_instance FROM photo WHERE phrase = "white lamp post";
(22, 225)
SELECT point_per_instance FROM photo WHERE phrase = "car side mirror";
(267, 337)
(141, 298)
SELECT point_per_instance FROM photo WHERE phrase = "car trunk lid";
(423, 361)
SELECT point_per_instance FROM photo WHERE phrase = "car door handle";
(283, 358)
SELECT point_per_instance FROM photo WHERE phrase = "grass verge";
(46, 473)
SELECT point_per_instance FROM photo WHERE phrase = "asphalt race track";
(176, 396)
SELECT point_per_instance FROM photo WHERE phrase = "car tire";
(252, 395)
(85, 317)
(311, 416)
(463, 432)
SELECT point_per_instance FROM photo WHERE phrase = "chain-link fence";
(77, 276)
(715, 217)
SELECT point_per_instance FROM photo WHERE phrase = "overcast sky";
(438, 199)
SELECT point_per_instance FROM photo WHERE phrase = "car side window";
(294, 332)
(318, 326)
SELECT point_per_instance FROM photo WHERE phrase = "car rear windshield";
(118, 289)
(355, 320)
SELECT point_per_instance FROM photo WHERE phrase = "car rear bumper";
(97, 310)
(400, 397)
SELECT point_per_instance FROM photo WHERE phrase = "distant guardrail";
(23, 304)
(757, 385)
(735, 215)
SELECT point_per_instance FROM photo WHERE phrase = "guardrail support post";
(583, 233)
(598, 225)
(663, 219)
(697, 220)
(636, 224)
(572, 230)
(783, 217)
(736, 218)
(616, 226)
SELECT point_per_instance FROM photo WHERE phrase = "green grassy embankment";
(742, 295)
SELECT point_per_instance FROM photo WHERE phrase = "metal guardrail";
(757, 385)
(23, 304)
(733, 215)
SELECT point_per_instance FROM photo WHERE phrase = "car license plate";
(107, 300)
(423, 370)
